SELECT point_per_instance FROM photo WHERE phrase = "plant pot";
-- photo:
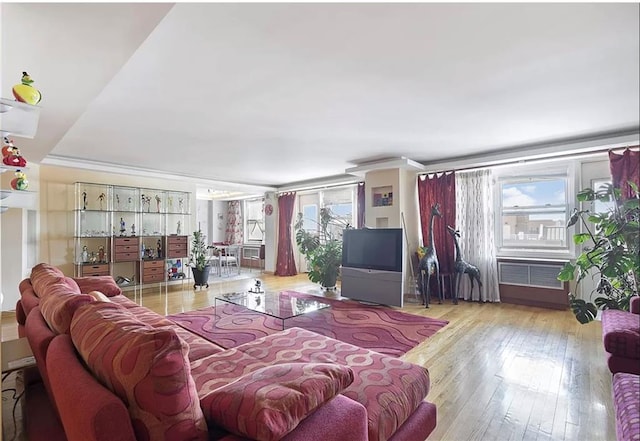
(201, 278)
(329, 279)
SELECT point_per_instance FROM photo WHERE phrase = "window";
(533, 213)
(254, 220)
(310, 217)
(340, 202)
(601, 206)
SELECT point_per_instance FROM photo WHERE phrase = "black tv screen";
(375, 249)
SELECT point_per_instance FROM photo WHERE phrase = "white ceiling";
(271, 94)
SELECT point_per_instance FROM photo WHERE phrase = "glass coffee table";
(273, 304)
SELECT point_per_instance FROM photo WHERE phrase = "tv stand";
(374, 286)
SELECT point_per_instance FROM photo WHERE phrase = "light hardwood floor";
(498, 371)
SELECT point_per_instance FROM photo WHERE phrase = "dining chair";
(231, 258)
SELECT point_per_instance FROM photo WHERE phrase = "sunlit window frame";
(247, 220)
(535, 172)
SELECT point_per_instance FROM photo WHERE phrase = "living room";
(535, 105)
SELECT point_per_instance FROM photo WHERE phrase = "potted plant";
(322, 248)
(611, 252)
(198, 260)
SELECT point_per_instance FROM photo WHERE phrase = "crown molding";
(385, 164)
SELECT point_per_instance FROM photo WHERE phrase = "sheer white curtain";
(475, 215)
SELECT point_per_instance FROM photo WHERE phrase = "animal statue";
(463, 267)
(429, 264)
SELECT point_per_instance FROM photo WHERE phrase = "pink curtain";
(285, 263)
(234, 234)
(361, 198)
(625, 167)
(441, 190)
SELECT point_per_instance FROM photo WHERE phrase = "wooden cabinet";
(177, 246)
(152, 271)
(126, 249)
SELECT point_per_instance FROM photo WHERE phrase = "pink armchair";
(621, 338)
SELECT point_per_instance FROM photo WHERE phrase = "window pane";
(254, 220)
(535, 230)
(310, 217)
(601, 206)
(534, 213)
(534, 193)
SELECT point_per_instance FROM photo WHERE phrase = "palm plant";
(322, 248)
(611, 251)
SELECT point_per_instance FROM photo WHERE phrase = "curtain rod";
(507, 162)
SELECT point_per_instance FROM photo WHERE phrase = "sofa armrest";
(88, 411)
(634, 304)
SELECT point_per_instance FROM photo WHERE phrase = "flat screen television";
(373, 248)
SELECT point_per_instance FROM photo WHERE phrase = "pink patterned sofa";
(621, 338)
(626, 403)
(113, 370)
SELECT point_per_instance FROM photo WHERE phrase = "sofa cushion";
(268, 403)
(56, 286)
(98, 296)
(621, 333)
(146, 367)
(389, 388)
(104, 284)
(626, 402)
(41, 273)
(58, 310)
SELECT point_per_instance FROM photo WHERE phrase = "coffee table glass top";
(274, 304)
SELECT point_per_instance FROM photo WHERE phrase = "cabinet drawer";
(177, 246)
(152, 264)
(154, 277)
(126, 248)
(120, 241)
(94, 270)
(172, 254)
(176, 240)
(126, 257)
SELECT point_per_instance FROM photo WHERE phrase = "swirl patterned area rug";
(378, 328)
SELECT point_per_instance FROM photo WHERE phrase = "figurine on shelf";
(93, 257)
(117, 201)
(85, 254)
(159, 249)
(178, 229)
(169, 203)
(122, 227)
(158, 203)
(25, 92)
(180, 205)
(129, 200)
(11, 155)
(101, 255)
(101, 199)
(20, 182)
(133, 229)
(84, 200)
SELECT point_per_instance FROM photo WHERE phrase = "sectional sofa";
(109, 370)
(621, 339)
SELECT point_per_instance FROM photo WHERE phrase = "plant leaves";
(584, 312)
(567, 272)
(581, 238)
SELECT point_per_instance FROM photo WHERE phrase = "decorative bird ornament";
(25, 92)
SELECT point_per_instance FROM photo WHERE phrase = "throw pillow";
(98, 296)
(146, 367)
(270, 402)
(104, 284)
(58, 310)
(41, 274)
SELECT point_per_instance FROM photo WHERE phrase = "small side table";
(16, 356)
